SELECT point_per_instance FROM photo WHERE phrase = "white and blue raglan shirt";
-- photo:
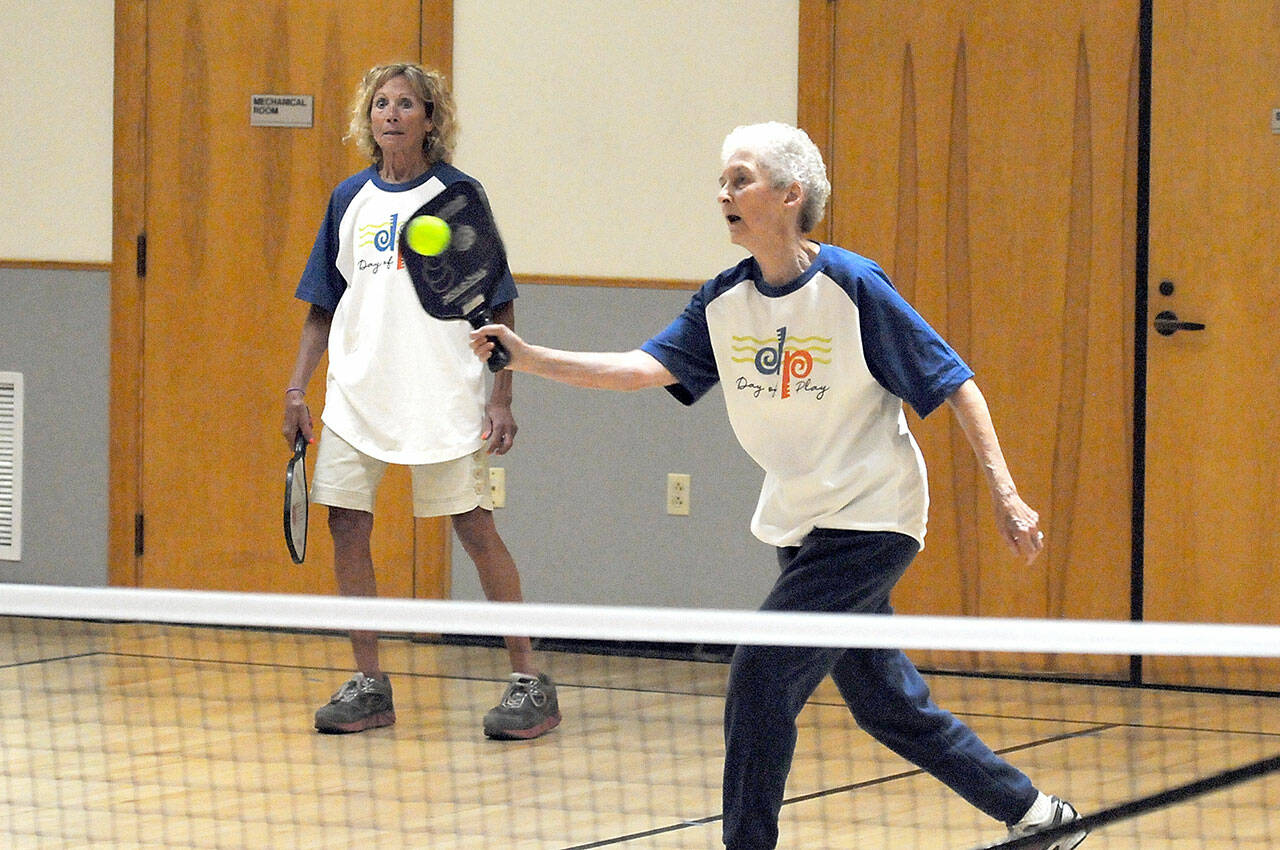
(402, 386)
(814, 376)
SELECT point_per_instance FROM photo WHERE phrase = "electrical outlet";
(677, 494)
(498, 486)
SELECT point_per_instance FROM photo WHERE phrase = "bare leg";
(498, 575)
(353, 567)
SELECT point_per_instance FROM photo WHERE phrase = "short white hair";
(787, 155)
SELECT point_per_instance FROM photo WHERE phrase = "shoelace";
(517, 692)
(352, 688)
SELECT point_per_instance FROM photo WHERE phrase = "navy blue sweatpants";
(854, 572)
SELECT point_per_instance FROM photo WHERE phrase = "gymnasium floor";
(149, 736)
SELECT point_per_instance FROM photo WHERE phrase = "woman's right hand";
(482, 342)
(297, 417)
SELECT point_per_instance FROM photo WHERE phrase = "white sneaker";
(1061, 813)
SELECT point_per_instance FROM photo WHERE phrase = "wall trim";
(607, 282)
(55, 265)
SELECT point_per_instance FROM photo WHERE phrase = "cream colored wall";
(596, 124)
(56, 77)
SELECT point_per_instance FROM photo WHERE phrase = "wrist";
(1004, 489)
(299, 390)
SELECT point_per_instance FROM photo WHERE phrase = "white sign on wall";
(281, 110)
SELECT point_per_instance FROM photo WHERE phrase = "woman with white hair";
(817, 352)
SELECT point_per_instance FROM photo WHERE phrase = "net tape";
(642, 623)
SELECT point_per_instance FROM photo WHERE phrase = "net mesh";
(138, 718)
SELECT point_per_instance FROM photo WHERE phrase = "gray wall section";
(586, 482)
(55, 330)
(586, 516)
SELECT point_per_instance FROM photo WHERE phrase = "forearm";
(311, 347)
(1016, 521)
(970, 408)
(502, 391)
(622, 370)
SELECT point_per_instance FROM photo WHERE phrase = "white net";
(137, 718)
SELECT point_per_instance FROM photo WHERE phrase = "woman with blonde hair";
(402, 388)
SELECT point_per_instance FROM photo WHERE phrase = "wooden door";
(985, 154)
(231, 211)
(1212, 530)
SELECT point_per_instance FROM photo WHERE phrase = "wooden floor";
(133, 736)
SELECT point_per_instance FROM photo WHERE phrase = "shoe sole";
(1069, 841)
(1074, 841)
(373, 721)
(523, 734)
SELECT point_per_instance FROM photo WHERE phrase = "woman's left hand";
(501, 432)
(1020, 527)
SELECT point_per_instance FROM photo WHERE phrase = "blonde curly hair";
(429, 85)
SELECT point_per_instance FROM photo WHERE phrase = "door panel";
(985, 154)
(231, 213)
(1212, 534)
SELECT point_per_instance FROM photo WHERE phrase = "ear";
(794, 195)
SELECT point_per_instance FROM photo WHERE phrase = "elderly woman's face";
(398, 118)
(756, 211)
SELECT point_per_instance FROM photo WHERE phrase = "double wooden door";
(988, 154)
(229, 211)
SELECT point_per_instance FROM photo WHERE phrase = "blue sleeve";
(903, 352)
(505, 291)
(684, 348)
(321, 283)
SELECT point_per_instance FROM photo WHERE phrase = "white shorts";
(345, 477)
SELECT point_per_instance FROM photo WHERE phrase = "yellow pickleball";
(427, 235)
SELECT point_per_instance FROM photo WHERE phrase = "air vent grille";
(10, 466)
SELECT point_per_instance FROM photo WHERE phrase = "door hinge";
(139, 533)
(142, 255)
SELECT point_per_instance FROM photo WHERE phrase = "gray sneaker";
(529, 708)
(1063, 813)
(362, 703)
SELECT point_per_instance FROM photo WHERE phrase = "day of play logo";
(789, 358)
(382, 238)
